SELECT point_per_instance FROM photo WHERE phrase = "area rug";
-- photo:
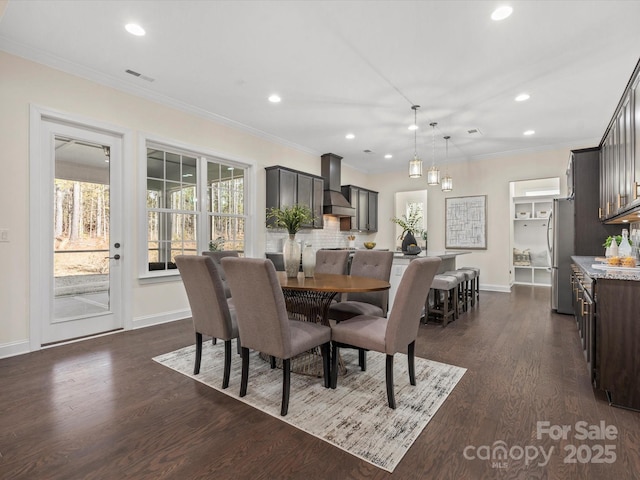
(355, 416)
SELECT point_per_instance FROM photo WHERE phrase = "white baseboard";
(495, 288)
(14, 348)
(149, 320)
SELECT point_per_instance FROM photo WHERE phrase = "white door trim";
(39, 214)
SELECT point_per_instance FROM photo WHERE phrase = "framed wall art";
(466, 222)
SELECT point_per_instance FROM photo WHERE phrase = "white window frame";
(202, 224)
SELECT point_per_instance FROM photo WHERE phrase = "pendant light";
(433, 175)
(415, 165)
(447, 181)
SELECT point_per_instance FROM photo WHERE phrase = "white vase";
(291, 256)
(308, 261)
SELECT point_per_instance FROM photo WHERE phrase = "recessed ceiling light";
(135, 29)
(625, 221)
(349, 136)
(275, 98)
(413, 127)
(529, 132)
(522, 97)
(501, 13)
(388, 155)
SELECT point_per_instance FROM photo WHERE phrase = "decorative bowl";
(413, 250)
(369, 245)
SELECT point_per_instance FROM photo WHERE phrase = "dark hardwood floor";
(102, 409)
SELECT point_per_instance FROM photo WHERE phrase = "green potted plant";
(291, 218)
(410, 225)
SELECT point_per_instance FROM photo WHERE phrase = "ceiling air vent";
(474, 132)
(139, 75)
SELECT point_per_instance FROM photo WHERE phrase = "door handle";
(115, 257)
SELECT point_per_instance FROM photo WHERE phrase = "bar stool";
(447, 287)
(461, 304)
(470, 288)
(477, 270)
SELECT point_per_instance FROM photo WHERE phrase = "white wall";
(24, 83)
(487, 177)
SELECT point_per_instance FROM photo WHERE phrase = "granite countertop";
(612, 273)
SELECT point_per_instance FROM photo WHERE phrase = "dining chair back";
(217, 258)
(332, 261)
(365, 263)
(264, 323)
(210, 311)
(373, 264)
(396, 334)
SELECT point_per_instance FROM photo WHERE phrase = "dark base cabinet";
(607, 314)
(618, 331)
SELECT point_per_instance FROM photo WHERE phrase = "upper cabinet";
(620, 157)
(366, 204)
(286, 187)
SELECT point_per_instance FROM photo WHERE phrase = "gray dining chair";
(365, 263)
(397, 333)
(264, 323)
(217, 256)
(210, 310)
(332, 261)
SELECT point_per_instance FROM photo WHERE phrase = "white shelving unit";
(530, 217)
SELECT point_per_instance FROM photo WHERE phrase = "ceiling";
(355, 67)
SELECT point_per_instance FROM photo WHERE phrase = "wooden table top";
(325, 282)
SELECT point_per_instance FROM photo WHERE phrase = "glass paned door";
(83, 233)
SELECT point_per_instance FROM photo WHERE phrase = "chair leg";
(227, 363)
(272, 361)
(238, 346)
(334, 365)
(196, 367)
(390, 396)
(362, 359)
(245, 372)
(286, 386)
(326, 360)
(412, 364)
(214, 340)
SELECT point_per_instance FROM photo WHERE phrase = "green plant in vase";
(410, 225)
(291, 218)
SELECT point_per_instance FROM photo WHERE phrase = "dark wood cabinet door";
(318, 202)
(372, 212)
(363, 209)
(305, 194)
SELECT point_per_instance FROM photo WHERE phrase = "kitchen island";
(606, 303)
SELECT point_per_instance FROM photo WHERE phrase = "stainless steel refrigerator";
(561, 241)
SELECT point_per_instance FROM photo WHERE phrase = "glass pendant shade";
(447, 183)
(433, 176)
(415, 167)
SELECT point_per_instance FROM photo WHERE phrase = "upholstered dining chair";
(217, 257)
(264, 323)
(332, 261)
(397, 333)
(210, 311)
(365, 263)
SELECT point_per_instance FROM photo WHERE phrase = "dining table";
(309, 298)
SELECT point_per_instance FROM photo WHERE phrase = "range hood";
(334, 202)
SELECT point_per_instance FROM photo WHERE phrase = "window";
(177, 223)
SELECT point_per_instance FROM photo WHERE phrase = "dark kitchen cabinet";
(607, 321)
(620, 156)
(286, 187)
(365, 203)
(590, 232)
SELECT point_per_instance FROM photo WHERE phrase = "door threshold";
(79, 339)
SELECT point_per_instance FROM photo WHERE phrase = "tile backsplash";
(329, 237)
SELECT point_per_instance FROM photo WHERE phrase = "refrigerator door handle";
(549, 231)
